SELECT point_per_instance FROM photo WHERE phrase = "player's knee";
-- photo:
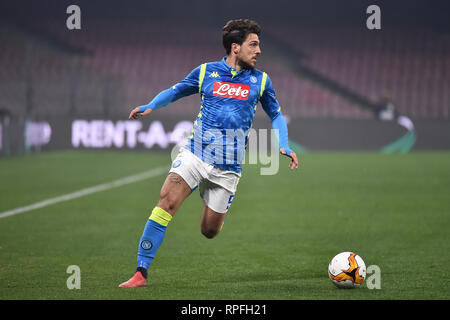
(209, 233)
(167, 202)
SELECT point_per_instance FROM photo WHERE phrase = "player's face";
(249, 52)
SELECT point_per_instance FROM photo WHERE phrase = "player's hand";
(135, 113)
(294, 161)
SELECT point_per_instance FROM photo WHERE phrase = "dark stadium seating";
(129, 63)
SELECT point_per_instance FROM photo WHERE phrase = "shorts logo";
(176, 164)
(230, 200)
(253, 79)
(231, 90)
(146, 244)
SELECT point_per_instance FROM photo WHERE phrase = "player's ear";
(235, 48)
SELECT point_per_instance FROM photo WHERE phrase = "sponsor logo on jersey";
(231, 90)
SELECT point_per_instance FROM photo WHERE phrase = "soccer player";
(229, 92)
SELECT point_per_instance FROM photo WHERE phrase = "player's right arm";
(186, 87)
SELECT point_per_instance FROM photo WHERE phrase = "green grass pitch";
(277, 241)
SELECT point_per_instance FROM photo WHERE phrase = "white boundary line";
(87, 191)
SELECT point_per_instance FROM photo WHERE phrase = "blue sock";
(152, 237)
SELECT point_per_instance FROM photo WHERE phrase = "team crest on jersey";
(231, 90)
(253, 79)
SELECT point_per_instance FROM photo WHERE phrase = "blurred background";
(341, 85)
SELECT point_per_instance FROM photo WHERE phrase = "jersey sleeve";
(271, 106)
(188, 85)
(185, 87)
(269, 100)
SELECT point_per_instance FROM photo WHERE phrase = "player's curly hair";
(236, 31)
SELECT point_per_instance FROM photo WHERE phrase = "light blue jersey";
(228, 100)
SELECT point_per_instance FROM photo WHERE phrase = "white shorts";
(217, 187)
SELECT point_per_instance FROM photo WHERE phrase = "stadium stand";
(129, 63)
(413, 65)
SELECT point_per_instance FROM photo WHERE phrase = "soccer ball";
(347, 270)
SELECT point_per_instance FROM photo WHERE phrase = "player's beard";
(244, 65)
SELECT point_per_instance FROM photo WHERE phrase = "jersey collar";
(230, 69)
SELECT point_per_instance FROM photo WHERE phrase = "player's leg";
(211, 222)
(182, 179)
(173, 192)
(216, 203)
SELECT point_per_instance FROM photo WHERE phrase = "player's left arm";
(272, 108)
